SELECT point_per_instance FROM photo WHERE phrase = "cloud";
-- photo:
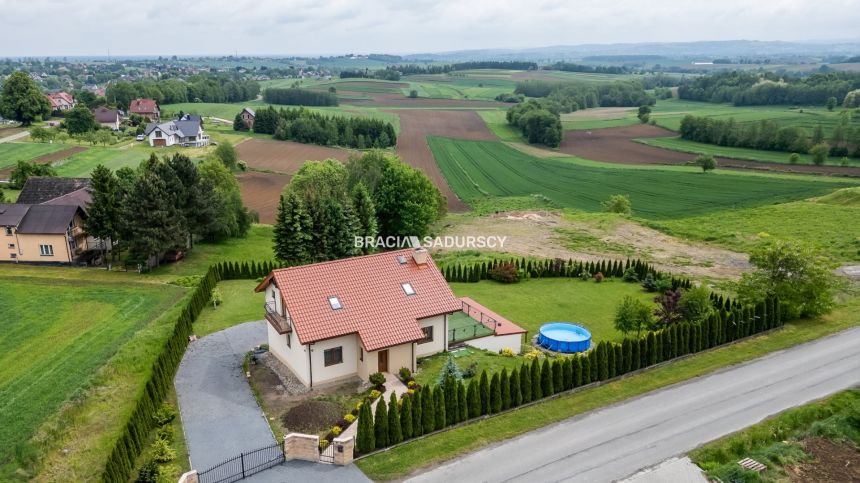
(309, 27)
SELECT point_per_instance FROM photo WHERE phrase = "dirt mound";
(416, 125)
(616, 145)
(284, 156)
(261, 192)
(312, 416)
(830, 462)
(548, 234)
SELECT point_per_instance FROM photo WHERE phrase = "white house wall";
(347, 368)
(440, 336)
(294, 356)
(497, 343)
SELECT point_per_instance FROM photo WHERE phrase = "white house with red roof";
(333, 321)
(61, 101)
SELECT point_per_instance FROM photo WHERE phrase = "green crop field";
(11, 153)
(56, 334)
(683, 145)
(498, 124)
(481, 169)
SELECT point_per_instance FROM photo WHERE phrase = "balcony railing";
(280, 322)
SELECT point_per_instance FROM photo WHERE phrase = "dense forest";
(769, 135)
(293, 96)
(539, 121)
(748, 89)
(572, 96)
(198, 88)
(594, 69)
(305, 126)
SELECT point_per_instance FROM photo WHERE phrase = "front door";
(383, 360)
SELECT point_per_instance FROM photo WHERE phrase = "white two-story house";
(187, 132)
(333, 321)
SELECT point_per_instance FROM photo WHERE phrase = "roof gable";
(48, 219)
(39, 189)
(373, 301)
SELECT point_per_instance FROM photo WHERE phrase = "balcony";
(76, 231)
(280, 322)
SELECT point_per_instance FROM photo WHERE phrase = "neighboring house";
(61, 101)
(187, 133)
(42, 233)
(110, 118)
(333, 321)
(248, 116)
(146, 108)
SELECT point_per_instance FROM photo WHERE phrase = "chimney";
(420, 256)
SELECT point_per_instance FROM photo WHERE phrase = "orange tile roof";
(369, 288)
(143, 106)
(503, 326)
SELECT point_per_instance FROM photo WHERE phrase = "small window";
(158, 134)
(46, 250)
(13, 255)
(335, 303)
(333, 356)
(8, 231)
(11, 245)
(401, 259)
(407, 287)
(428, 335)
(289, 341)
(361, 354)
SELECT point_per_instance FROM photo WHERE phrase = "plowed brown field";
(617, 145)
(261, 192)
(284, 156)
(416, 125)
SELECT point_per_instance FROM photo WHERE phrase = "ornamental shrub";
(516, 394)
(377, 379)
(504, 272)
(495, 394)
(537, 384)
(473, 399)
(380, 423)
(395, 432)
(505, 381)
(485, 393)
(406, 418)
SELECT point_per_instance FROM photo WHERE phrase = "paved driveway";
(220, 416)
(611, 443)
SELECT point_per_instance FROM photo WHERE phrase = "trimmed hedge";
(132, 440)
(537, 379)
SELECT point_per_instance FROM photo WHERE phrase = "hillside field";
(57, 333)
(11, 153)
(481, 169)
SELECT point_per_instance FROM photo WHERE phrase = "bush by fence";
(131, 442)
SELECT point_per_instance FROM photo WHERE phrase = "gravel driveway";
(220, 416)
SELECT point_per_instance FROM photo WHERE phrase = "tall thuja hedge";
(554, 268)
(132, 439)
(232, 270)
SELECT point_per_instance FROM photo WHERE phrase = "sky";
(326, 27)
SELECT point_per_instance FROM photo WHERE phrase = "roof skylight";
(335, 303)
(407, 287)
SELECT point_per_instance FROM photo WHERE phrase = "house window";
(8, 231)
(13, 255)
(428, 335)
(288, 339)
(407, 287)
(73, 244)
(333, 356)
(361, 354)
(46, 250)
(158, 134)
(11, 245)
(335, 303)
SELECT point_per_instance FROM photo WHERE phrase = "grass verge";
(403, 460)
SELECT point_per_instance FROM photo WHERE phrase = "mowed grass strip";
(685, 146)
(436, 449)
(480, 169)
(11, 153)
(56, 334)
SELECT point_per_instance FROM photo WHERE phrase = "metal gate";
(327, 455)
(244, 465)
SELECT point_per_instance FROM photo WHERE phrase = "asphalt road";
(617, 441)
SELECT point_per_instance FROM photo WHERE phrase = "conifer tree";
(602, 362)
(462, 403)
(593, 366)
(586, 368)
(366, 438)
(417, 421)
(428, 412)
(516, 394)
(610, 361)
(395, 432)
(567, 373)
(654, 349)
(451, 409)
(576, 369)
(474, 399)
(526, 383)
(485, 393)
(440, 419)
(547, 388)
(381, 423)
(557, 376)
(495, 394)
(406, 417)
(505, 381)
(292, 230)
(537, 384)
(627, 357)
(619, 359)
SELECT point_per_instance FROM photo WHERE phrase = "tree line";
(771, 136)
(293, 96)
(165, 204)
(197, 88)
(572, 96)
(305, 126)
(433, 407)
(538, 120)
(594, 69)
(768, 88)
(328, 204)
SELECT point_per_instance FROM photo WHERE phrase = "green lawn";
(255, 246)
(80, 165)
(535, 302)
(57, 334)
(11, 153)
(436, 449)
(498, 124)
(241, 304)
(478, 170)
(685, 146)
(429, 367)
(10, 195)
(829, 223)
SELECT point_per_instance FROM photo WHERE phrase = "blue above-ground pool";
(564, 337)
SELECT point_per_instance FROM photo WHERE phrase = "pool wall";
(564, 337)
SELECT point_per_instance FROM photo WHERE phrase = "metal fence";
(244, 465)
